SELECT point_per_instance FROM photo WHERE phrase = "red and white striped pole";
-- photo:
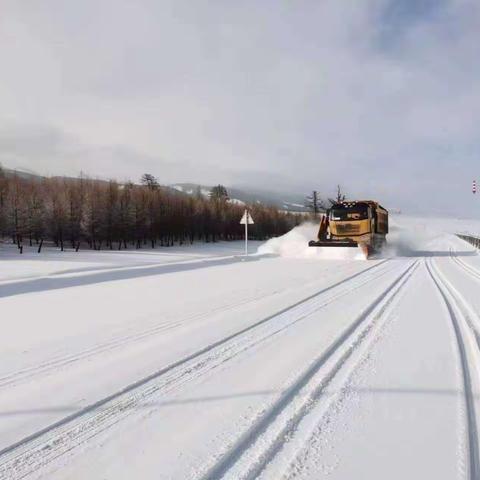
(474, 187)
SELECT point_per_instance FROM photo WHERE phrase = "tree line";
(95, 214)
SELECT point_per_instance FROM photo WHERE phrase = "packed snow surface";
(200, 363)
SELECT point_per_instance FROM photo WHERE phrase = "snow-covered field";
(199, 363)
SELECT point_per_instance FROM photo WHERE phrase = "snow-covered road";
(196, 363)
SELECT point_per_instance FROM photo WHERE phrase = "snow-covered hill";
(282, 201)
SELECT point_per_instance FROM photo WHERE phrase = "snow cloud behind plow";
(412, 237)
(408, 237)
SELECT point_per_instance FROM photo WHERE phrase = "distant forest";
(86, 213)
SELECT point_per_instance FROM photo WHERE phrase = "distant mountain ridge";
(283, 201)
(27, 174)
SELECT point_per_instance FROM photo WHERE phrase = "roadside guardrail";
(471, 239)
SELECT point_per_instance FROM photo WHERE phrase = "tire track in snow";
(471, 317)
(260, 444)
(14, 378)
(458, 310)
(40, 448)
(468, 268)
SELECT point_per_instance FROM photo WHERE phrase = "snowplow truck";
(362, 224)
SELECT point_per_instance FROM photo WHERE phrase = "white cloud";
(292, 94)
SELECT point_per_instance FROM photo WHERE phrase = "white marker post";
(246, 220)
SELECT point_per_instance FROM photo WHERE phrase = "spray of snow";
(294, 244)
(411, 237)
(408, 237)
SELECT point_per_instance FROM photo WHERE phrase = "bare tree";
(339, 198)
(219, 193)
(314, 203)
(149, 181)
(3, 202)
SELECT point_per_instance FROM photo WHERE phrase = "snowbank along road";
(198, 363)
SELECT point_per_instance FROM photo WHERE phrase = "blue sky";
(397, 18)
(381, 96)
(402, 14)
